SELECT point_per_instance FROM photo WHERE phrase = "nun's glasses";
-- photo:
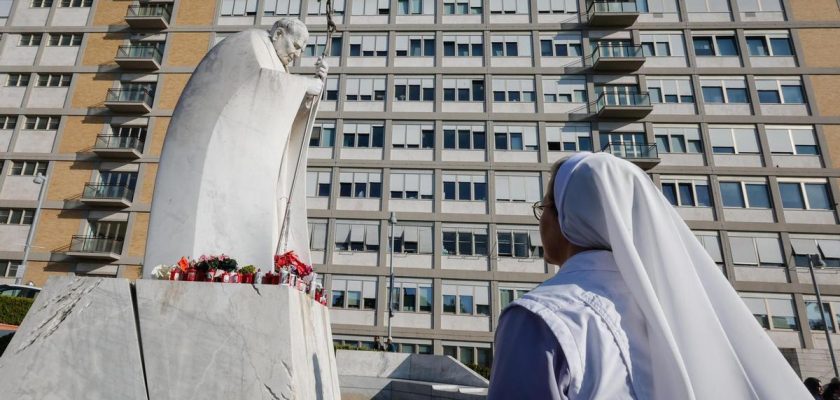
(538, 208)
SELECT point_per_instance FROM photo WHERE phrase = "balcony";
(129, 100)
(148, 16)
(110, 146)
(626, 106)
(611, 13)
(95, 247)
(645, 156)
(626, 58)
(101, 194)
(139, 57)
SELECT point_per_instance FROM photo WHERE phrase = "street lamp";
(392, 220)
(815, 260)
(41, 180)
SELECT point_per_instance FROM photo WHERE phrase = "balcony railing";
(617, 57)
(129, 100)
(623, 100)
(614, 13)
(148, 16)
(101, 191)
(111, 142)
(95, 247)
(645, 156)
(145, 57)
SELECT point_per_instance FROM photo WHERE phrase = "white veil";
(705, 343)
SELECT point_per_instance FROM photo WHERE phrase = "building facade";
(449, 113)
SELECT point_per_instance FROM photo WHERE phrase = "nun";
(638, 309)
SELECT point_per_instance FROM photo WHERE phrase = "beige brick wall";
(102, 47)
(187, 49)
(815, 10)
(132, 272)
(38, 271)
(832, 138)
(820, 47)
(137, 247)
(91, 89)
(68, 180)
(827, 94)
(56, 228)
(173, 85)
(112, 12)
(147, 186)
(196, 12)
(158, 134)
(80, 134)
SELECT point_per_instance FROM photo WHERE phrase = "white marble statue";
(231, 151)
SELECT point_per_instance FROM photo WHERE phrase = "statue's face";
(289, 45)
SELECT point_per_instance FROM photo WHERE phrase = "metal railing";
(129, 96)
(139, 53)
(605, 6)
(623, 99)
(111, 142)
(93, 244)
(102, 191)
(149, 10)
(610, 51)
(630, 150)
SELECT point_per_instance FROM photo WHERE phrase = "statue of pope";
(232, 150)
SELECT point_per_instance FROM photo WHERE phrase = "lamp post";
(41, 180)
(392, 220)
(815, 260)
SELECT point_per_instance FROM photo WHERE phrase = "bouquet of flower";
(161, 271)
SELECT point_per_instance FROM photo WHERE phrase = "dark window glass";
(732, 195)
(727, 46)
(769, 97)
(449, 303)
(449, 139)
(757, 195)
(670, 192)
(791, 195)
(757, 46)
(737, 95)
(703, 46)
(713, 94)
(817, 196)
(781, 47)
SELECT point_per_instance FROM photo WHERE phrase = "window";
(365, 89)
(724, 90)
(412, 185)
(703, 6)
(331, 90)
(9, 268)
(41, 3)
(466, 299)
(283, 7)
(557, 7)
(755, 249)
(415, 7)
(320, 7)
(360, 184)
(508, 295)
(519, 242)
(238, 7)
(798, 140)
(677, 139)
(560, 45)
(468, 355)
(687, 191)
(414, 89)
(463, 89)
(415, 45)
(411, 295)
(464, 137)
(513, 90)
(564, 89)
(357, 293)
(741, 194)
(413, 136)
(17, 80)
(371, 7)
(413, 239)
(780, 91)
(815, 319)
(464, 187)
(760, 5)
(465, 45)
(827, 247)
(16, 216)
(662, 44)
(805, 195)
(509, 7)
(317, 235)
(53, 80)
(318, 183)
(721, 46)
(368, 46)
(318, 43)
(464, 240)
(511, 45)
(363, 135)
(569, 137)
(769, 45)
(515, 138)
(733, 140)
(41, 122)
(28, 168)
(627, 145)
(356, 236)
(670, 90)
(323, 134)
(711, 243)
(771, 312)
(65, 39)
(619, 94)
(8, 121)
(517, 188)
(461, 7)
(75, 3)
(30, 39)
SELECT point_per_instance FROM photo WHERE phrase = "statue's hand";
(315, 87)
(321, 68)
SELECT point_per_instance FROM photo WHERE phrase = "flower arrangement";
(162, 271)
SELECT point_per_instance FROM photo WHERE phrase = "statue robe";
(230, 153)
